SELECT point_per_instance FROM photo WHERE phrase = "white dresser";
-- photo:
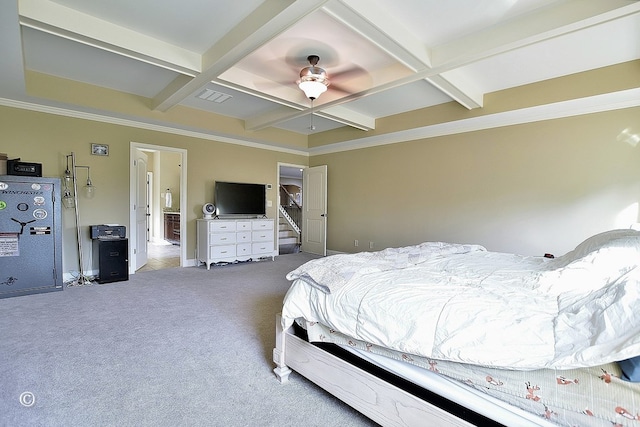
(230, 240)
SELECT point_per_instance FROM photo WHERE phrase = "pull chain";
(311, 126)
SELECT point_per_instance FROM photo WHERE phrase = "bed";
(453, 334)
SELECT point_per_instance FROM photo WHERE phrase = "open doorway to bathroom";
(163, 249)
(159, 237)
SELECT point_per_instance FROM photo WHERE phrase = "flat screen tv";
(238, 198)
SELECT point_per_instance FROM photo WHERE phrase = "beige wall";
(48, 138)
(533, 188)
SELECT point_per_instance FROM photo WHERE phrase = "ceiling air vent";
(213, 96)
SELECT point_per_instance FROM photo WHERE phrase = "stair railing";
(292, 223)
(292, 209)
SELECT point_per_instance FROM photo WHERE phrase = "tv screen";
(237, 198)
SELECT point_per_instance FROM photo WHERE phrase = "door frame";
(132, 193)
(140, 207)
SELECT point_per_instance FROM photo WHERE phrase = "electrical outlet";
(370, 245)
(355, 243)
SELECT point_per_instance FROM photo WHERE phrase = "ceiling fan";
(313, 79)
(313, 82)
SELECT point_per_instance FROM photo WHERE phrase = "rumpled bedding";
(465, 304)
(330, 274)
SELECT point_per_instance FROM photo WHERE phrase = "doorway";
(289, 208)
(310, 200)
(167, 168)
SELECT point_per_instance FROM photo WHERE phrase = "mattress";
(595, 396)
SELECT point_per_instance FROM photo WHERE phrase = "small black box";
(16, 167)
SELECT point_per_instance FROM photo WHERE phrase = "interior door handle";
(324, 215)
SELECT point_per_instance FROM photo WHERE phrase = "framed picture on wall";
(100, 149)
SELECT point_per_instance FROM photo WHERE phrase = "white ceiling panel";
(194, 25)
(405, 98)
(435, 22)
(239, 105)
(75, 61)
(583, 50)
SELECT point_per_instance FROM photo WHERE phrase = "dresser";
(233, 240)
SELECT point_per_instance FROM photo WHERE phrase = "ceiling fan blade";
(340, 88)
(265, 85)
(350, 73)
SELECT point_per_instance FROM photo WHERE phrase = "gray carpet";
(174, 347)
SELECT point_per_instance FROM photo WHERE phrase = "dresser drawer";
(222, 238)
(222, 226)
(243, 226)
(262, 236)
(243, 237)
(226, 251)
(267, 224)
(262, 248)
(243, 250)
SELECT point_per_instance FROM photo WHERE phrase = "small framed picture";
(100, 149)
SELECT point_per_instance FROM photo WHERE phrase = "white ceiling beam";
(257, 94)
(347, 117)
(263, 24)
(272, 117)
(53, 18)
(459, 89)
(337, 114)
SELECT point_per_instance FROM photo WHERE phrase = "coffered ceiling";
(242, 58)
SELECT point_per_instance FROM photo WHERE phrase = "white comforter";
(465, 304)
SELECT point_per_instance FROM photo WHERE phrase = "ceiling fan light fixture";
(313, 80)
(312, 88)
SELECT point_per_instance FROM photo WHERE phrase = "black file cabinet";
(112, 259)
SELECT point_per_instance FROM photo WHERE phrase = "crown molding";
(140, 124)
(594, 104)
(575, 107)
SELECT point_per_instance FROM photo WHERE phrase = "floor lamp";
(70, 200)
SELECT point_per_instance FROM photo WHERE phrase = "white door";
(314, 210)
(141, 209)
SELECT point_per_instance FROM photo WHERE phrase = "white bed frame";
(384, 403)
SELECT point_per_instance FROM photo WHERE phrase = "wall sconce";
(89, 189)
(68, 200)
